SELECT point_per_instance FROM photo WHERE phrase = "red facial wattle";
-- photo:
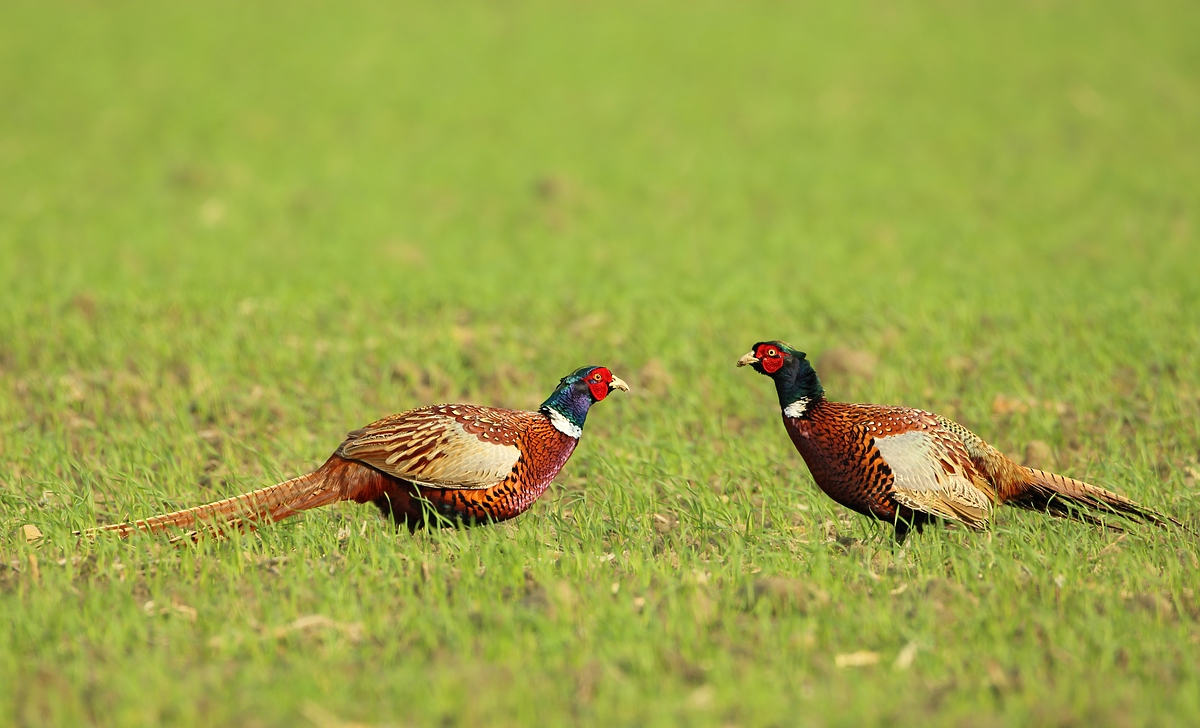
(770, 358)
(599, 386)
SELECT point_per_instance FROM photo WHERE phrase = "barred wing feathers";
(443, 446)
(932, 469)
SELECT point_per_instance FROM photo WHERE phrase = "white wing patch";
(929, 481)
(440, 453)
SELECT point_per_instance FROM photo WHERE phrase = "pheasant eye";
(772, 352)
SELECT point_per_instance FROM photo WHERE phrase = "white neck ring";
(797, 408)
(563, 425)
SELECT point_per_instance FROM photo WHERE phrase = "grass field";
(231, 232)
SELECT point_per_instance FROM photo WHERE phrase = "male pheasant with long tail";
(908, 467)
(443, 464)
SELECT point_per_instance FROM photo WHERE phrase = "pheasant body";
(526, 453)
(891, 463)
(907, 466)
(440, 464)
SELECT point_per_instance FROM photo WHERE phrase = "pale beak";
(749, 358)
(618, 383)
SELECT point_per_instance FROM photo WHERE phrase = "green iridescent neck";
(797, 381)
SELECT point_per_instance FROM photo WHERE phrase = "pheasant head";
(796, 381)
(568, 405)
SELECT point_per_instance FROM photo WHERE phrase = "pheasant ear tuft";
(791, 349)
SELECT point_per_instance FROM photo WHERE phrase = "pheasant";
(442, 464)
(908, 467)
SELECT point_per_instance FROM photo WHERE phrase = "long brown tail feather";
(1065, 497)
(266, 504)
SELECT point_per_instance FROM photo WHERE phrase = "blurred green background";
(230, 232)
